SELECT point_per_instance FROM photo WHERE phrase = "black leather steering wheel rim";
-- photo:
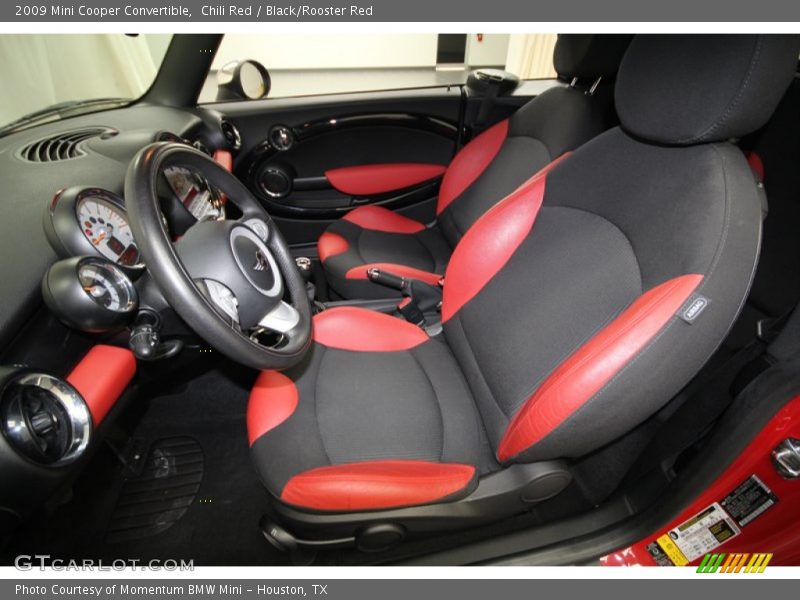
(174, 281)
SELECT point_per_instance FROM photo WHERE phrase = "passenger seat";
(486, 170)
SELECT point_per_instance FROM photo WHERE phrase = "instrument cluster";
(92, 287)
(89, 222)
(195, 194)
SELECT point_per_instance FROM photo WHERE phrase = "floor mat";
(155, 499)
(218, 527)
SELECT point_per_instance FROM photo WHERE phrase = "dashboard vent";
(232, 135)
(62, 146)
(45, 419)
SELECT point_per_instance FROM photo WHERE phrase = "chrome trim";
(236, 143)
(281, 137)
(283, 318)
(786, 458)
(75, 407)
(259, 227)
(224, 298)
(593, 89)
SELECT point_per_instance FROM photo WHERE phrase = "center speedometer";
(92, 221)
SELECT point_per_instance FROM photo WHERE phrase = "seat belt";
(487, 103)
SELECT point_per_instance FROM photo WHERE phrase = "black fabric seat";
(573, 310)
(406, 396)
(487, 169)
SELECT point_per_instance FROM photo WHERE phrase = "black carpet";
(155, 499)
(206, 509)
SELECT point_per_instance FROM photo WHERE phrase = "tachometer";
(107, 285)
(90, 293)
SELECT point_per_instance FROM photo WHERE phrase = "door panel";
(313, 149)
(387, 148)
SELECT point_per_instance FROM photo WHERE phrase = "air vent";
(62, 146)
(45, 419)
(232, 135)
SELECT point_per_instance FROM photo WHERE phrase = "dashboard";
(80, 197)
(67, 241)
(92, 288)
(87, 221)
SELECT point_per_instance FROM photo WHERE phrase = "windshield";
(45, 77)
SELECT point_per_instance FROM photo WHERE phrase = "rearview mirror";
(243, 80)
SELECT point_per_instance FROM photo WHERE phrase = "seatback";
(589, 297)
(560, 119)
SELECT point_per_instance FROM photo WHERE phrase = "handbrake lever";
(420, 297)
(386, 279)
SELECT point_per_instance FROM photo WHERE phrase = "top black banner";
(471, 11)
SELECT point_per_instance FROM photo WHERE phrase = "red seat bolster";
(273, 399)
(494, 238)
(588, 369)
(330, 244)
(377, 218)
(470, 162)
(379, 484)
(362, 330)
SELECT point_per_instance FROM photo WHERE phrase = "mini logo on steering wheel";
(261, 262)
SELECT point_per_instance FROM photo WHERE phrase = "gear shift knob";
(304, 266)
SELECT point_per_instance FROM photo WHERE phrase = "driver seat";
(572, 311)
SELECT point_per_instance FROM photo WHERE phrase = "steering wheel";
(226, 279)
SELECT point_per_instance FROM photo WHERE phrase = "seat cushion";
(371, 236)
(378, 416)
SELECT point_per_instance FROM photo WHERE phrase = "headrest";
(690, 89)
(589, 56)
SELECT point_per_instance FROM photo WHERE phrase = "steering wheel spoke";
(223, 299)
(283, 318)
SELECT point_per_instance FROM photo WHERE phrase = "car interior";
(459, 324)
